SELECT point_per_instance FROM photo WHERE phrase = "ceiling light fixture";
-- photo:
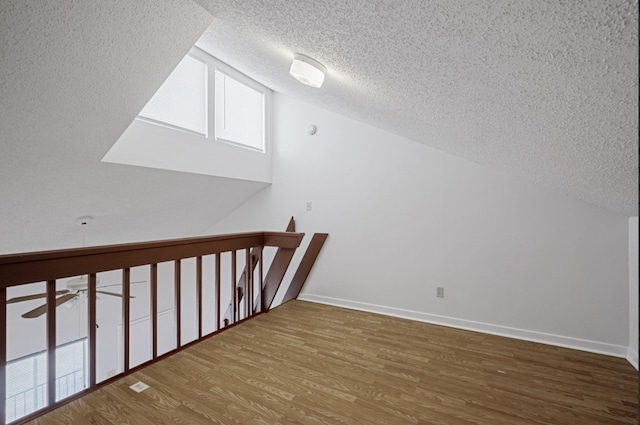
(308, 71)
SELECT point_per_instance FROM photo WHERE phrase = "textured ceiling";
(544, 89)
(73, 75)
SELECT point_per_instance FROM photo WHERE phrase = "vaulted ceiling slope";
(544, 89)
(73, 75)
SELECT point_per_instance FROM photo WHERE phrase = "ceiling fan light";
(307, 70)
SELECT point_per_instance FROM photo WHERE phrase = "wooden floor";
(306, 363)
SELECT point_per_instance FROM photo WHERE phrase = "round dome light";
(307, 70)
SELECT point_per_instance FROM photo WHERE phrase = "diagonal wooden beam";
(275, 275)
(308, 260)
(276, 271)
(291, 227)
(240, 286)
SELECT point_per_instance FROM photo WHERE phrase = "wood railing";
(48, 267)
(271, 284)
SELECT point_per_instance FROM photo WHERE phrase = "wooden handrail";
(17, 269)
(47, 266)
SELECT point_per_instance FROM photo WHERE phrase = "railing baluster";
(92, 329)
(234, 291)
(199, 293)
(261, 279)
(3, 353)
(51, 342)
(177, 300)
(126, 315)
(247, 291)
(254, 264)
(22, 269)
(154, 309)
(251, 288)
(217, 290)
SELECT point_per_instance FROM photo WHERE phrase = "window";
(204, 96)
(27, 378)
(239, 113)
(181, 102)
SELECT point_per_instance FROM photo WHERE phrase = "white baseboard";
(533, 336)
(632, 357)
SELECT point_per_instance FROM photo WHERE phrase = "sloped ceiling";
(544, 89)
(73, 75)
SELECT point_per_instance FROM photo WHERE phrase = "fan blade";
(113, 294)
(120, 284)
(34, 297)
(39, 311)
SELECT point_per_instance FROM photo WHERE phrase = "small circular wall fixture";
(312, 129)
(84, 220)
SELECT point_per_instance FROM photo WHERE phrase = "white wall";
(150, 145)
(59, 118)
(403, 219)
(156, 146)
(633, 292)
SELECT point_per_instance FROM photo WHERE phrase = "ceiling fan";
(75, 287)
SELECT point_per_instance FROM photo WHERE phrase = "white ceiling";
(544, 89)
(73, 75)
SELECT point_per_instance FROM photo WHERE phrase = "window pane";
(26, 369)
(166, 308)
(108, 316)
(140, 310)
(71, 332)
(182, 100)
(71, 359)
(239, 113)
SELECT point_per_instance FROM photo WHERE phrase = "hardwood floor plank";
(313, 364)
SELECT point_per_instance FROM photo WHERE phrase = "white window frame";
(199, 58)
(248, 82)
(213, 65)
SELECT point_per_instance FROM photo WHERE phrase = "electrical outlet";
(309, 205)
(440, 292)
